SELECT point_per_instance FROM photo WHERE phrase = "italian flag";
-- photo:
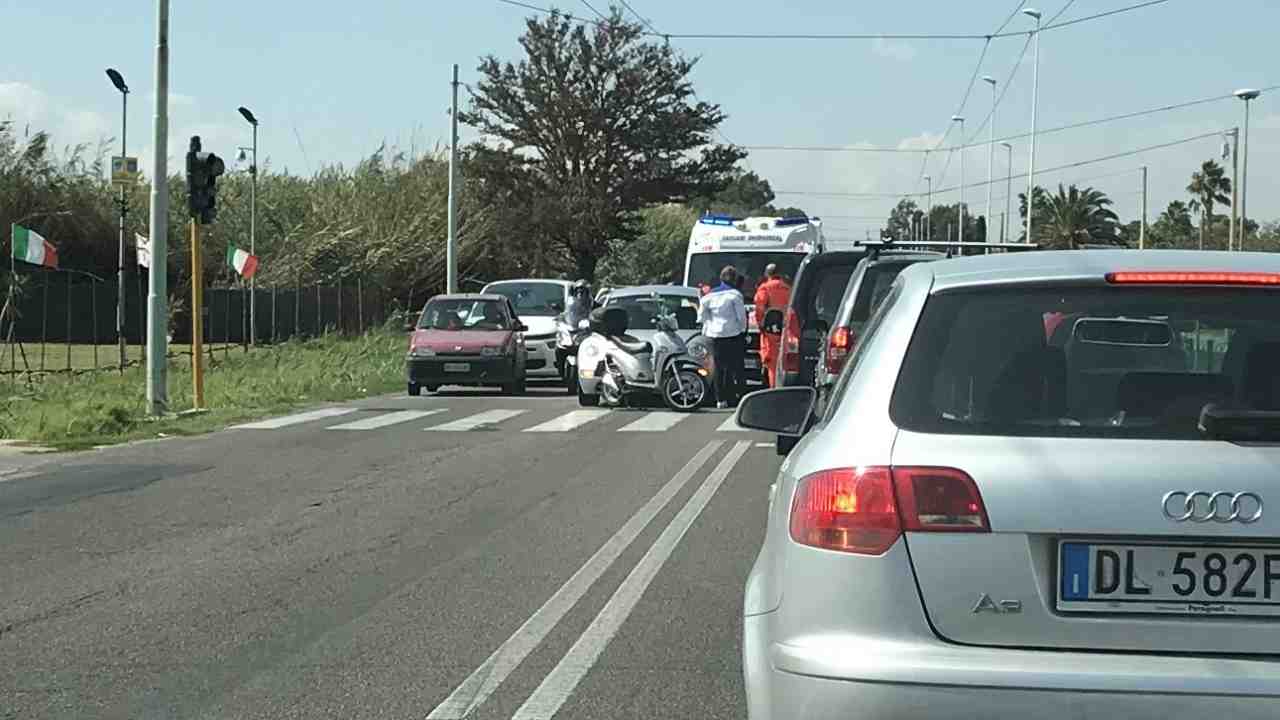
(28, 246)
(242, 262)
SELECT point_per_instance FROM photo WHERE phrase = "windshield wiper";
(1256, 425)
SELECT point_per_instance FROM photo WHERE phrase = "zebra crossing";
(461, 419)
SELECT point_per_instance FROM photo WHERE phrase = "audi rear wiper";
(1242, 425)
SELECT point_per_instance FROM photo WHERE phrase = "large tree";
(1209, 186)
(1173, 227)
(598, 123)
(1076, 217)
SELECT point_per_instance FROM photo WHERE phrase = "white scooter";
(614, 367)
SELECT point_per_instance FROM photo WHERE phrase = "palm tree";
(1208, 186)
(1075, 217)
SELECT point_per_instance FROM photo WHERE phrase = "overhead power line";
(593, 9)
(640, 17)
(981, 184)
(1015, 136)
(845, 36)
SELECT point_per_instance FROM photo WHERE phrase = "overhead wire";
(984, 183)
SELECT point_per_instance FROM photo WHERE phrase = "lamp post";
(1035, 92)
(991, 151)
(118, 80)
(253, 224)
(1246, 95)
(1008, 190)
(960, 213)
(928, 213)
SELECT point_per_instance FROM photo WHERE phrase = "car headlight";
(489, 351)
(422, 352)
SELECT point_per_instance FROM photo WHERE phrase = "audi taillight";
(840, 343)
(1193, 278)
(865, 510)
(791, 342)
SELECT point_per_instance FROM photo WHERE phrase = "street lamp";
(959, 119)
(1008, 190)
(253, 225)
(991, 151)
(118, 80)
(928, 213)
(1035, 92)
(1246, 95)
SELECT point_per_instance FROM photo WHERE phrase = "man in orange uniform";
(772, 294)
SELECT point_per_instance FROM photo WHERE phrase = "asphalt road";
(466, 555)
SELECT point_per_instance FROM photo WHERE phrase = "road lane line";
(391, 418)
(560, 683)
(477, 421)
(493, 671)
(655, 422)
(731, 425)
(297, 419)
(568, 421)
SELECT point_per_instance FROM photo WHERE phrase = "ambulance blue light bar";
(718, 220)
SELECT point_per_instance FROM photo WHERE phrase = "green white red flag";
(242, 262)
(29, 246)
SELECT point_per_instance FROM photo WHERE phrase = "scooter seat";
(632, 346)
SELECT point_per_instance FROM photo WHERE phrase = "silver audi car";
(1047, 486)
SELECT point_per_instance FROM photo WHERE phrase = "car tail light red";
(791, 342)
(1193, 278)
(865, 510)
(840, 343)
(936, 499)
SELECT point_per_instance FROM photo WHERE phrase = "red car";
(467, 339)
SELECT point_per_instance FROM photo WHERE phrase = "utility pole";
(991, 152)
(928, 213)
(1008, 187)
(960, 213)
(1035, 97)
(1247, 96)
(1232, 243)
(1142, 231)
(157, 285)
(451, 244)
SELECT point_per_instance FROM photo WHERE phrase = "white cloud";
(894, 50)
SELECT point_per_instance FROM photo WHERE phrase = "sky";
(330, 81)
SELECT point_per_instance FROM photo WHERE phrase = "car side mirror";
(520, 327)
(410, 327)
(782, 411)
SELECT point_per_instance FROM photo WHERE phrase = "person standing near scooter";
(723, 315)
(772, 294)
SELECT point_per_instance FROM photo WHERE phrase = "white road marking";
(297, 419)
(569, 421)
(391, 418)
(493, 671)
(731, 425)
(655, 422)
(764, 445)
(559, 684)
(479, 420)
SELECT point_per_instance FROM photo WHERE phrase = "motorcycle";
(568, 339)
(615, 367)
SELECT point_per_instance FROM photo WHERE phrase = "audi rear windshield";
(1104, 362)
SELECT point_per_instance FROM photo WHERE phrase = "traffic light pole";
(124, 211)
(197, 318)
(158, 290)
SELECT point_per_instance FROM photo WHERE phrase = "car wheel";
(432, 388)
(586, 400)
(414, 389)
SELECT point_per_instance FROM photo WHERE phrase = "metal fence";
(66, 321)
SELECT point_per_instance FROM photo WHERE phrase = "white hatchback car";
(1047, 486)
(537, 302)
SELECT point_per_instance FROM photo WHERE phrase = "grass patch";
(103, 408)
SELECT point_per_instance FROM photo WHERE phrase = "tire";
(681, 400)
(432, 388)
(414, 389)
(586, 400)
(571, 381)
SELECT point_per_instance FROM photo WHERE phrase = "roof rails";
(878, 246)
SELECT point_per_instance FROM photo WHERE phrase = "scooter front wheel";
(684, 391)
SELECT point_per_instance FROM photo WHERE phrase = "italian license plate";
(1169, 579)
(457, 367)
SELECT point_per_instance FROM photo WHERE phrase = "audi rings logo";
(1201, 506)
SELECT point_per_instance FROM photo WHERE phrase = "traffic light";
(203, 171)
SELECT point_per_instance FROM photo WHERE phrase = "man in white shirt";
(723, 315)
